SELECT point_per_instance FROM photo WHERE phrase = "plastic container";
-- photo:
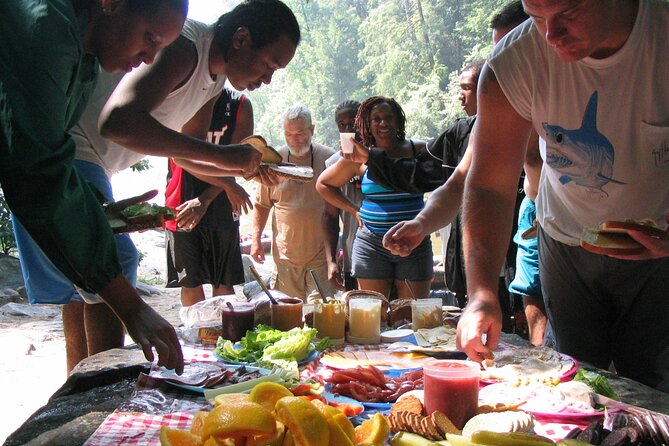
(330, 320)
(237, 320)
(452, 387)
(364, 319)
(287, 314)
(426, 313)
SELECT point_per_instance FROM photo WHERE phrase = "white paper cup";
(346, 143)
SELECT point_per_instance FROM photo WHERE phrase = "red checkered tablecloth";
(137, 429)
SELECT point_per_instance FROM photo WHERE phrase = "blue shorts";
(372, 261)
(526, 282)
(45, 284)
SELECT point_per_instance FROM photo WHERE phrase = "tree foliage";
(411, 50)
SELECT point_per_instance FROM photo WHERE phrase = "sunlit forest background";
(412, 50)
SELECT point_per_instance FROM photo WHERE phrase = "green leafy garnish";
(265, 345)
(136, 210)
(598, 383)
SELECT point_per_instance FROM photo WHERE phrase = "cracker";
(430, 429)
(408, 403)
(444, 424)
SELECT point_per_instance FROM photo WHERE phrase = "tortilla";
(269, 154)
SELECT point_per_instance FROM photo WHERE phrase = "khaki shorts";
(296, 281)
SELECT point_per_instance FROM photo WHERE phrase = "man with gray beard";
(297, 238)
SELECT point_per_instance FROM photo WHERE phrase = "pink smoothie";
(452, 387)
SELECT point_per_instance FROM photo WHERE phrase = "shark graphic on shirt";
(583, 155)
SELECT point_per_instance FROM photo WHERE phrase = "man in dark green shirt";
(48, 65)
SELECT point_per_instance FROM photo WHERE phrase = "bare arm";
(498, 144)
(260, 215)
(143, 324)
(332, 179)
(440, 209)
(533, 166)
(330, 223)
(127, 120)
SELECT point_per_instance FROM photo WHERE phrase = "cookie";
(408, 404)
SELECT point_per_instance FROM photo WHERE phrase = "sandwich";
(135, 214)
(612, 237)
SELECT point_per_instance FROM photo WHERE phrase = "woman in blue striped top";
(381, 122)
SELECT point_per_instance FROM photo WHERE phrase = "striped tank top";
(382, 208)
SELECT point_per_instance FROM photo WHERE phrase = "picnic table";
(137, 406)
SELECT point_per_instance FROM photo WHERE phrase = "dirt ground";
(33, 365)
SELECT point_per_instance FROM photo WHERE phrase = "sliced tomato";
(301, 389)
(312, 397)
(350, 410)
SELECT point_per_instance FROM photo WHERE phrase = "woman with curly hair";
(381, 123)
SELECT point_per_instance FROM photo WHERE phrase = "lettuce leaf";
(136, 210)
(598, 383)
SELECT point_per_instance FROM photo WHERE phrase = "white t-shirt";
(175, 111)
(605, 122)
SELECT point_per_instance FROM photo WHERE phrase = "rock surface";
(96, 387)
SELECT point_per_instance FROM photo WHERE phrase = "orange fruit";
(304, 421)
(268, 393)
(176, 437)
(198, 422)
(373, 432)
(337, 435)
(345, 424)
(243, 419)
(273, 440)
(231, 398)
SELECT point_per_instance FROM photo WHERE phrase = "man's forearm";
(487, 217)
(442, 206)
(260, 215)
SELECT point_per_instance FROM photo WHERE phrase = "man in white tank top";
(605, 159)
(170, 103)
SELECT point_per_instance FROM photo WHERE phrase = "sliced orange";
(337, 435)
(273, 440)
(198, 422)
(176, 437)
(243, 419)
(304, 421)
(231, 398)
(345, 424)
(373, 432)
(268, 393)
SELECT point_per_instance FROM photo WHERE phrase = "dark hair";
(139, 6)
(348, 105)
(362, 119)
(266, 20)
(509, 16)
(475, 67)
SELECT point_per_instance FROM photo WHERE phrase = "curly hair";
(363, 123)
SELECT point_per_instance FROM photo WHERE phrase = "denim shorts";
(372, 261)
(45, 284)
